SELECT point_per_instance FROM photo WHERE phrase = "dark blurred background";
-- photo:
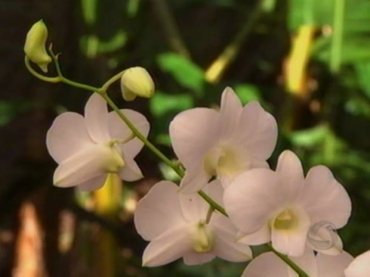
(306, 61)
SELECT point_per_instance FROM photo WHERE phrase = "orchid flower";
(360, 267)
(223, 143)
(269, 265)
(284, 207)
(88, 148)
(183, 225)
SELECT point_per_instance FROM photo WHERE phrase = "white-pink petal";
(66, 136)
(359, 267)
(84, 165)
(119, 130)
(131, 171)
(94, 183)
(257, 131)
(252, 197)
(269, 265)
(193, 134)
(193, 258)
(168, 247)
(333, 266)
(230, 112)
(324, 198)
(290, 170)
(158, 211)
(194, 180)
(96, 118)
(226, 247)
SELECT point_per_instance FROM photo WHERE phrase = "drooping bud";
(202, 238)
(34, 46)
(136, 81)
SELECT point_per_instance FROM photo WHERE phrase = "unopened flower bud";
(136, 81)
(34, 46)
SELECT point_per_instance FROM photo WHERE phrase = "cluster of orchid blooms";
(228, 198)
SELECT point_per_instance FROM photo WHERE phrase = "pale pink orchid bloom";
(88, 148)
(222, 143)
(321, 265)
(176, 226)
(284, 207)
(360, 267)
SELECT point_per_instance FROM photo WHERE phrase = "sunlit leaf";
(185, 72)
(247, 93)
(162, 103)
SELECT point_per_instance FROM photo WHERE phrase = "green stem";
(112, 80)
(337, 38)
(56, 79)
(288, 261)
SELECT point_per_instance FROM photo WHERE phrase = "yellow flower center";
(202, 238)
(285, 220)
(112, 157)
(223, 160)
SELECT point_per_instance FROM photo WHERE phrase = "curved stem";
(115, 78)
(288, 261)
(56, 79)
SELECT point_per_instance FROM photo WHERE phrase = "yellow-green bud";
(34, 46)
(136, 81)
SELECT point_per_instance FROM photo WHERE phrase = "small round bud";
(136, 81)
(34, 46)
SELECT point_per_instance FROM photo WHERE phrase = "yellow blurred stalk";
(107, 204)
(296, 64)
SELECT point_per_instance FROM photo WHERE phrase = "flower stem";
(288, 261)
(56, 79)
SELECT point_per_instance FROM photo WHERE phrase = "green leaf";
(186, 73)
(247, 93)
(309, 137)
(162, 103)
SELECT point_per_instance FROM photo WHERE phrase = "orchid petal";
(324, 240)
(359, 267)
(261, 236)
(131, 171)
(194, 208)
(119, 130)
(290, 169)
(230, 111)
(96, 116)
(194, 180)
(83, 166)
(257, 131)
(193, 133)
(193, 258)
(332, 266)
(93, 184)
(66, 136)
(324, 198)
(158, 211)
(266, 265)
(269, 265)
(168, 247)
(243, 198)
(226, 247)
